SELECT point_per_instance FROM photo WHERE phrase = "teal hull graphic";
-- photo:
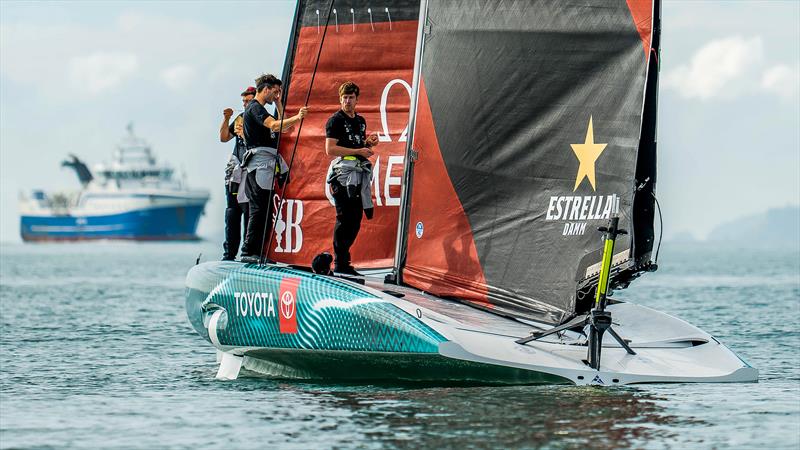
(324, 313)
(342, 332)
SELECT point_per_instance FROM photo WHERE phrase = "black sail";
(528, 132)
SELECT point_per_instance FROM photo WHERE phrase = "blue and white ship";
(132, 198)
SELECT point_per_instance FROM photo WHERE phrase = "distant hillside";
(775, 227)
(681, 237)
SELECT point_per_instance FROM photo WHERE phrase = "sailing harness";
(268, 227)
(355, 176)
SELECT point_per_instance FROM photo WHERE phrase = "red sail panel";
(442, 258)
(642, 13)
(379, 57)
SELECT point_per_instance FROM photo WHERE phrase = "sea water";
(96, 352)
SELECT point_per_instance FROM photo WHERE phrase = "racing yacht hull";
(288, 323)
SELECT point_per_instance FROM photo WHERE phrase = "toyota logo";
(287, 305)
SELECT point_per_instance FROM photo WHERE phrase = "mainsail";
(528, 131)
(373, 46)
(534, 124)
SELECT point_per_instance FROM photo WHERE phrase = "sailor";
(350, 177)
(261, 161)
(234, 208)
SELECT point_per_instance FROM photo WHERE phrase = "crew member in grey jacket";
(346, 138)
(235, 208)
(261, 130)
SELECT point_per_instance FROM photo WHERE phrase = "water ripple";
(96, 352)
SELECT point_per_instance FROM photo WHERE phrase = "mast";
(401, 244)
(645, 179)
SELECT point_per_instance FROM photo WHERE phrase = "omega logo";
(385, 137)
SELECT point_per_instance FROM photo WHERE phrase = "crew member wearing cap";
(350, 177)
(234, 209)
(261, 130)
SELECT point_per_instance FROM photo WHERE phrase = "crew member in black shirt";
(346, 138)
(234, 209)
(261, 130)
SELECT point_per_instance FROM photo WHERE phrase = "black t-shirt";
(349, 132)
(255, 133)
(238, 148)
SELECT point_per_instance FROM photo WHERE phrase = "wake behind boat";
(132, 198)
(529, 130)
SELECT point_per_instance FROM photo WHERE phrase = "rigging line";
(655, 56)
(625, 216)
(660, 226)
(297, 138)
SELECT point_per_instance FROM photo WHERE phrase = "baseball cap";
(249, 91)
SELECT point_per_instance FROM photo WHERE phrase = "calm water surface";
(96, 351)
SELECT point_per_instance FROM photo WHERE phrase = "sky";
(74, 73)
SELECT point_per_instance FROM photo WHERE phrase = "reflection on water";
(96, 351)
(503, 416)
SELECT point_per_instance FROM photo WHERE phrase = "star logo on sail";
(587, 154)
(575, 211)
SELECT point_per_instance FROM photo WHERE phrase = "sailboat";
(510, 133)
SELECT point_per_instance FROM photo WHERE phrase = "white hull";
(668, 350)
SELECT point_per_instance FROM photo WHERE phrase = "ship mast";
(401, 244)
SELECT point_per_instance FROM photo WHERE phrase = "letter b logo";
(288, 233)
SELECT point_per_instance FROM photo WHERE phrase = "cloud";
(782, 80)
(97, 57)
(99, 72)
(723, 68)
(176, 77)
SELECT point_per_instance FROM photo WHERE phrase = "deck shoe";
(247, 258)
(347, 270)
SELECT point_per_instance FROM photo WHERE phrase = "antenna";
(600, 319)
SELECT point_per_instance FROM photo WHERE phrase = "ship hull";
(165, 223)
(287, 323)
